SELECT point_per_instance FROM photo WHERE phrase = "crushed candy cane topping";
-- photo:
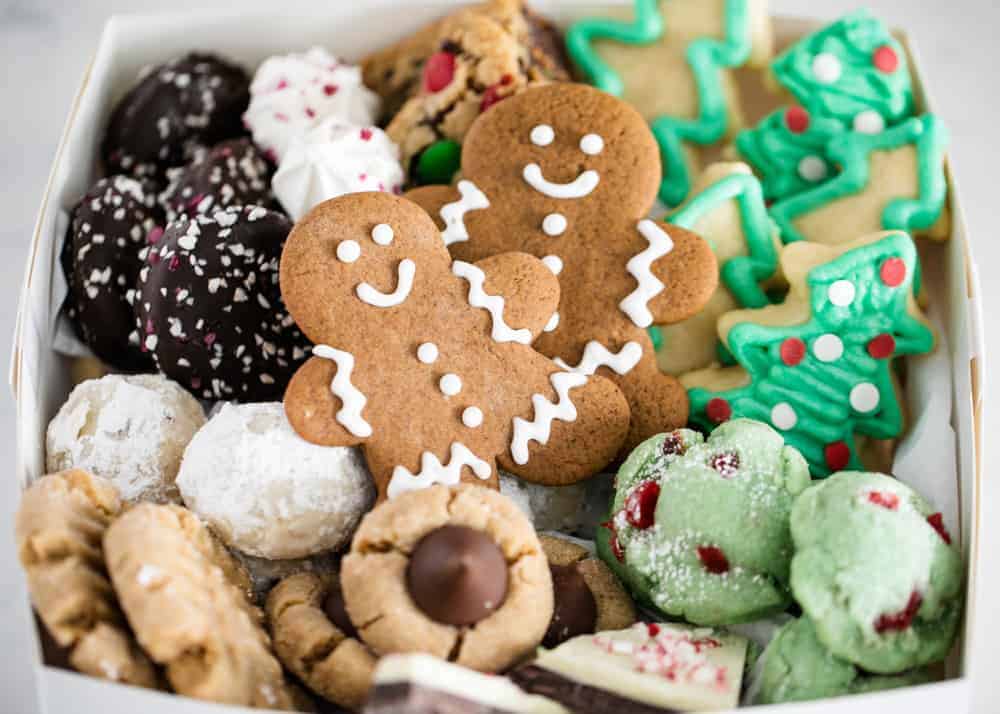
(678, 656)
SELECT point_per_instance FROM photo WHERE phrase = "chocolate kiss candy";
(333, 606)
(457, 575)
(575, 608)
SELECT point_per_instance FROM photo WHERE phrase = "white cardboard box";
(944, 392)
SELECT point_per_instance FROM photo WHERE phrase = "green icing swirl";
(820, 391)
(853, 41)
(707, 58)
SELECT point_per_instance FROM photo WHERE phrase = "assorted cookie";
(453, 363)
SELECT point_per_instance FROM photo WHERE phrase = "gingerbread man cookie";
(423, 363)
(568, 173)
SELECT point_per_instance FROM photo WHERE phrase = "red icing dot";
(797, 119)
(885, 500)
(640, 506)
(892, 272)
(936, 521)
(330, 89)
(900, 620)
(882, 346)
(837, 455)
(439, 71)
(793, 351)
(366, 134)
(726, 464)
(713, 559)
(673, 445)
(885, 59)
(718, 410)
(616, 546)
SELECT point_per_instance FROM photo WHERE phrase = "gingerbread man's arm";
(457, 211)
(529, 289)
(316, 413)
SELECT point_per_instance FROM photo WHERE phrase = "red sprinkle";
(797, 119)
(175, 263)
(209, 339)
(283, 84)
(882, 346)
(616, 546)
(653, 629)
(640, 506)
(793, 351)
(153, 258)
(886, 500)
(330, 89)
(150, 329)
(195, 382)
(195, 200)
(902, 619)
(718, 410)
(936, 521)
(281, 116)
(885, 59)
(713, 559)
(673, 445)
(310, 112)
(439, 70)
(837, 455)
(726, 464)
(271, 156)
(366, 134)
(892, 272)
(155, 233)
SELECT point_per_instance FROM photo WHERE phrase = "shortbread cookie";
(131, 430)
(266, 491)
(457, 573)
(587, 596)
(818, 367)
(58, 528)
(187, 600)
(569, 173)
(427, 363)
(689, 97)
(876, 572)
(314, 638)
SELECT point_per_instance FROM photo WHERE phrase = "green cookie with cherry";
(876, 572)
(699, 529)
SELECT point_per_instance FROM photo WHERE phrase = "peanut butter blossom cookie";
(699, 529)
(876, 572)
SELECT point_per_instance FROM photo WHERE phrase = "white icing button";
(812, 168)
(553, 323)
(828, 348)
(450, 384)
(826, 68)
(348, 251)
(427, 353)
(542, 135)
(554, 224)
(841, 293)
(592, 144)
(869, 122)
(472, 417)
(783, 416)
(865, 397)
(382, 234)
(553, 263)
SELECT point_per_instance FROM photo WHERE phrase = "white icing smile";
(579, 187)
(404, 284)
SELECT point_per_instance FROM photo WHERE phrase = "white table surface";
(45, 44)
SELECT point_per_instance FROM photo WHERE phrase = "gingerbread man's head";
(427, 363)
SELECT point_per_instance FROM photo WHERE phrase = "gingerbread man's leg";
(658, 401)
(310, 403)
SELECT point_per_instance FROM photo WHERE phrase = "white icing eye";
(472, 417)
(553, 263)
(348, 251)
(592, 144)
(382, 234)
(427, 353)
(542, 135)
(554, 224)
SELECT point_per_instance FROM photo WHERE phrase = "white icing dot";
(869, 122)
(592, 144)
(865, 397)
(812, 168)
(554, 224)
(826, 68)
(553, 323)
(382, 234)
(841, 293)
(828, 348)
(472, 417)
(348, 251)
(450, 384)
(553, 263)
(427, 353)
(542, 135)
(783, 416)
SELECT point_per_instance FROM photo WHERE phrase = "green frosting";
(797, 667)
(875, 573)
(828, 379)
(776, 151)
(707, 57)
(702, 526)
(836, 71)
(851, 151)
(438, 163)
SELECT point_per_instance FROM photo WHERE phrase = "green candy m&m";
(438, 163)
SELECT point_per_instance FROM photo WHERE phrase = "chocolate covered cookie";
(209, 308)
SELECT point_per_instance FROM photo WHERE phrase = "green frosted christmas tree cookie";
(699, 529)
(818, 367)
(875, 570)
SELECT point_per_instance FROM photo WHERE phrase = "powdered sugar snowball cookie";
(130, 430)
(290, 94)
(266, 491)
(577, 508)
(333, 159)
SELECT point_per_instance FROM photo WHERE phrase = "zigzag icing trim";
(493, 304)
(540, 428)
(453, 214)
(596, 355)
(636, 304)
(432, 471)
(351, 398)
